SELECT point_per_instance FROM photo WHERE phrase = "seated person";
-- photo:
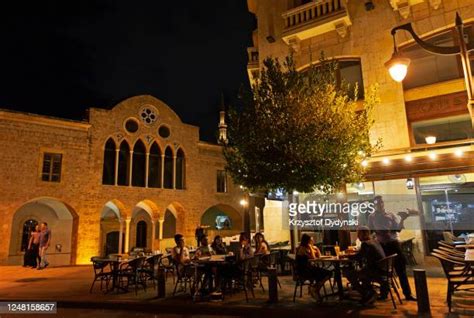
(180, 252)
(204, 249)
(317, 275)
(371, 252)
(218, 246)
(261, 246)
(246, 250)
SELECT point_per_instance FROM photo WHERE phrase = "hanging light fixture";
(430, 140)
(397, 65)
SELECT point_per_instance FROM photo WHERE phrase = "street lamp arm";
(439, 50)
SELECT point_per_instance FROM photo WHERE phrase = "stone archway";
(61, 219)
(112, 234)
(142, 222)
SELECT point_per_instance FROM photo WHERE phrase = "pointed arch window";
(139, 164)
(154, 167)
(124, 164)
(108, 171)
(180, 169)
(169, 172)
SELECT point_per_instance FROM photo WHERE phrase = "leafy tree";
(299, 130)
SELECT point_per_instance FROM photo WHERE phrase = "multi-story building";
(127, 177)
(426, 162)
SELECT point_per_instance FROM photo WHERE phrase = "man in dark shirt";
(370, 254)
(199, 233)
(387, 226)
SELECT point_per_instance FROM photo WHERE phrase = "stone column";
(153, 235)
(120, 237)
(147, 164)
(162, 171)
(161, 229)
(117, 151)
(174, 172)
(130, 169)
(127, 234)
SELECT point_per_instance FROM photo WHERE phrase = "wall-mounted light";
(432, 155)
(243, 202)
(458, 153)
(386, 161)
(430, 140)
(408, 158)
(410, 183)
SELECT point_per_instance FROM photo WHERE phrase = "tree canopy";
(299, 130)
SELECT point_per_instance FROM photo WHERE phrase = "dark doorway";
(112, 243)
(141, 234)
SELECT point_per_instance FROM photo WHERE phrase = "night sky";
(61, 57)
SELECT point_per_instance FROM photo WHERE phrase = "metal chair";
(387, 277)
(131, 271)
(101, 273)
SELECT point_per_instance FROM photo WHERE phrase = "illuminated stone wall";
(25, 137)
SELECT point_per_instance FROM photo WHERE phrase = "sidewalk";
(69, 286)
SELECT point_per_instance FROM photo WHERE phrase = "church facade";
(128, 177)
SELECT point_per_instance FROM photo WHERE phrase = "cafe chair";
(300, 280)
(148, 270)
(169, 268)
(267, 262)
(129, 272)
(185, 277)
(407, 249)
(102, 273)
(455, 278)
(387, 277)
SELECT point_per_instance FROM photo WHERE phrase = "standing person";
(33, 247)
(386, 226)
(199, 233)
(44, 242)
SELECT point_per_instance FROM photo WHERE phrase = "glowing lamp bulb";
(430, 140)
(386, 161)
(398, 66)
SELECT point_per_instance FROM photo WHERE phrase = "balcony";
(315, 18)
(252, 66)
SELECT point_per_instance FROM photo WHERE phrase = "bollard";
(161, 283)
(422, 296)
(272, 285)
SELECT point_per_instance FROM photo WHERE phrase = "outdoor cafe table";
(209, 262)
(336, 262)
(469, 256)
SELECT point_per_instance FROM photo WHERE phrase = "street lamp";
(398, 65)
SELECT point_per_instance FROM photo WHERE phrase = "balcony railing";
(314, 18)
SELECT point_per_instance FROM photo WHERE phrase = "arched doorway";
(141, 226)
(62, 221)
(222, 220)
(112, 235)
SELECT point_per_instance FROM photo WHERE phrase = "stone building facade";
(132, 176)
(431, 175)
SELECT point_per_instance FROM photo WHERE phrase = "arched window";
(168, 177)
(154, 167)
(139, 164)
(108, 172)
(124, 163)
(169, 225)
(180, 169)
(141, 234)
(28, 227)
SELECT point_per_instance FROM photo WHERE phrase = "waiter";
(386, 226)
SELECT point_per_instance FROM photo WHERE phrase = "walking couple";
(40, 240)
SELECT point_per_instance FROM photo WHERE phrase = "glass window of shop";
(448, 206)
(444, 129)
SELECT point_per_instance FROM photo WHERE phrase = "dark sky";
(61, 57)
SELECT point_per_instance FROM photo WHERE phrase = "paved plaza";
(69, 286)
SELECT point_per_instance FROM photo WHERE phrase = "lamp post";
(245, 204)
(398, 65)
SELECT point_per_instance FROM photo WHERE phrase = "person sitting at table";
(261, 246)
(204, 249)
(180, 252)
(317, 275)
(369, 255)
(246, 250)
(218, 246)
